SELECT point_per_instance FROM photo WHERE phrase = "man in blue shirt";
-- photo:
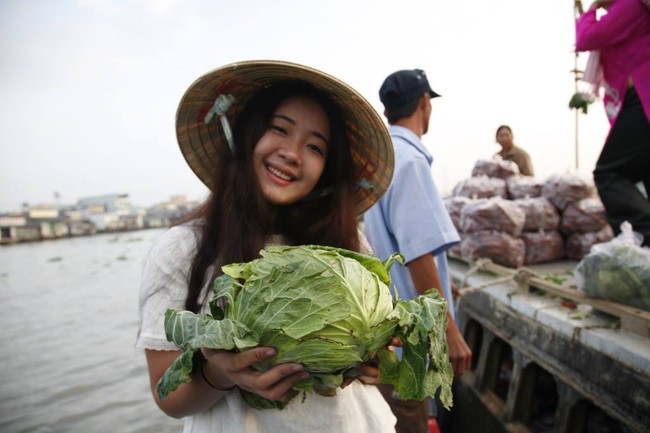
(411, 218)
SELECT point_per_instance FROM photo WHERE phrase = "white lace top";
(356, 409)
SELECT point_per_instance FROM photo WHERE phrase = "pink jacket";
(623, 38)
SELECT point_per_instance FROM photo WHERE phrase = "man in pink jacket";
(622, 36)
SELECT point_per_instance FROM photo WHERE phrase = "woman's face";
(504, 138)
(290, 157)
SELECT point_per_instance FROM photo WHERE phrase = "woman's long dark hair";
(236, 220)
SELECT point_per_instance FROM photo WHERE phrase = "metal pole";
(577, 11)
(577, 117)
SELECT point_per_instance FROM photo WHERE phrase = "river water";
(68, 323)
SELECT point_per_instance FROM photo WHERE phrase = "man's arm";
(424, 273)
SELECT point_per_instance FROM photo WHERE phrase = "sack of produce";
(454, 206)
(542, 246)
(578, 244)
(618, 270)
(523, 186)
(481, 187)
(583, 216)
(562, 189)
(495, 214)
(496, 167)
(500, 247)
(326, 308)
(540, 213)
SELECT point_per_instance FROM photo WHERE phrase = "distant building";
(39, 222)
(110, 203)
(14, 228)
(167, 213)
(103, 213)
(111, 212)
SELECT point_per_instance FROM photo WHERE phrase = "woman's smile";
(277, 173)
(290, 157)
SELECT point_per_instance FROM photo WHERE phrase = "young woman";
(291, 155)
(510, 152)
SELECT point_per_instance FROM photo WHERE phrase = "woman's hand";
(226, 369)
(369, 371)
(368, 374)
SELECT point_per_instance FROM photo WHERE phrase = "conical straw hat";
(371, 146)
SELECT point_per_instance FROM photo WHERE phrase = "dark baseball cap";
(403, 87)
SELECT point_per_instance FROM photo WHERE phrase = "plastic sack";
(481, 187)
(540, 214)
(492, 214)
(578, 244)
(523, 187)
(542, 246)
(618, 270)
(454, 206)
(500, 247)
(496, 167)
(562, 189)
(586, 215)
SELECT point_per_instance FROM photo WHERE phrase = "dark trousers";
(623, 162)
(411, 414)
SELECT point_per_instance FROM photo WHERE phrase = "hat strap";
(220, 107)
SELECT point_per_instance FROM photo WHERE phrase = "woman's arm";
(612, 28)
(189, 398)
(224, 369)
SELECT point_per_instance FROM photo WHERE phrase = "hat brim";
(370, 143)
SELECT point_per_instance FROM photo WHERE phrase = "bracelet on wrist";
(219, 388)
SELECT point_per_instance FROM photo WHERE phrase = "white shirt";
(356, 409)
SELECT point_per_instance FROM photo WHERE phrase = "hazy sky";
(90, 87)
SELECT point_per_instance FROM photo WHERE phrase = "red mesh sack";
(542, 246)
(562, 189)
(454, 206)
(499, 247)
(495, 167)
(540, 214)
(492, 214)
(578, 244)
(480, 187)
(523, 186)
(586, 215)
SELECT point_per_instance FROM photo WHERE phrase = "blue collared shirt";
(411, 217)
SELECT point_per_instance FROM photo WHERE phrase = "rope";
(467, 290)
(478, 265)
(522, 277)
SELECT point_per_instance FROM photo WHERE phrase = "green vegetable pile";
(580, 101)
(618, 270)
(329, 309)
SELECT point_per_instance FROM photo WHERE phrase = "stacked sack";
(516, 220)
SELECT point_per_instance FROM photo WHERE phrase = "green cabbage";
(616, 271)
(329, 309)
